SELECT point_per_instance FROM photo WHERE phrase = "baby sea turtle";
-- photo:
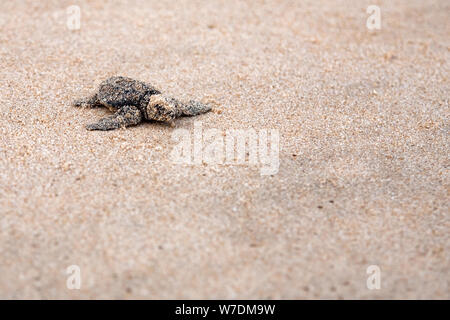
(133, 101)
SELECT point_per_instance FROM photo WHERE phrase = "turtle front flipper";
(124, 117)
(194, 108)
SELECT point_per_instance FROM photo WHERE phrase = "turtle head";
(161, 108)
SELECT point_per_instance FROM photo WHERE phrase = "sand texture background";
(364, 144)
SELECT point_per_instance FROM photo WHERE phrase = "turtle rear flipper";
(126, 116)
(89, 102)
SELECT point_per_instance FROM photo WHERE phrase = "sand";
(364, 142)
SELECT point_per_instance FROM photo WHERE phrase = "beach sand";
(363, 172)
